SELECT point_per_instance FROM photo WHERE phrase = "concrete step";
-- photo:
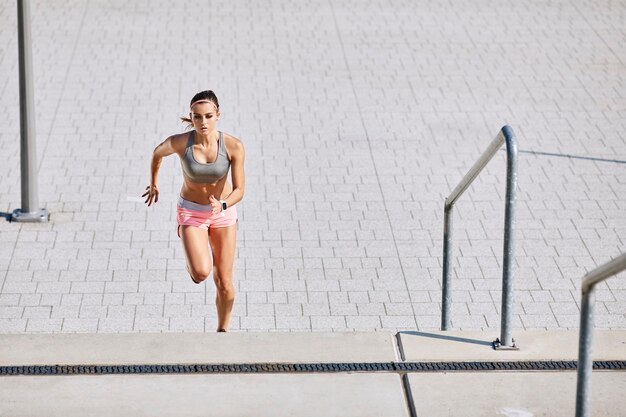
(311, 395)
(497, 393)
(534, 345)
(213, 348)
(180, 348)
(514, 394)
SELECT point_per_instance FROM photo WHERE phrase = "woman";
(206, 210)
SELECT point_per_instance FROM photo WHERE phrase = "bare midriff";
(200, 193)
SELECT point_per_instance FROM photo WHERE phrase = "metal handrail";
(507, 136)
(585, 362)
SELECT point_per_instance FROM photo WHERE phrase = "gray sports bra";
(205, 173)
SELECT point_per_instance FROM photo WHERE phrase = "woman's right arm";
(165, 148)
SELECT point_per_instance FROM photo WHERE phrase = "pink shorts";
(189, 213)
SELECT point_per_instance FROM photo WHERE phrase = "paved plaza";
(358, 119)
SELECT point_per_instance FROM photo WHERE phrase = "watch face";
(223, 205)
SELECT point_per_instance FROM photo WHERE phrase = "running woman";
(206, 210)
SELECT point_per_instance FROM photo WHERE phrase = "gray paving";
(358, 117)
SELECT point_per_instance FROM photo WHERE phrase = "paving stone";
(203, 311)
(149, 311)
(538, 321)
(51, 299)
(155, 298)
(12, 312)
(120, 312)
(287, 310)
(65, 311)
(80, 325)
(120, 287)
(81, 288)
(343, 309)
(298, 297)
(30, 300)
(133, 298)
(93, 312)
(95, 299)
(179, 324)
(256, 310)
(367, 309)
(290, 322)
(363, 322)
(258, 323)
(36, 312)
(195, 299)
(428, 322)
(44, 325)
(11, 299)
(536, 308)
(159, 324)
(399, 322)
(427, 309)
(18, 288)
(330, 322)
(13, 325)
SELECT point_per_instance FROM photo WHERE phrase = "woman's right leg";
(196, 245)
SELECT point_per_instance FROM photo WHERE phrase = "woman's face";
(204, 117)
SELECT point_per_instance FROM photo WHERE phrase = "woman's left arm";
(237, 157)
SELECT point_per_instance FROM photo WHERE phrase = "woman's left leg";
(223, 243)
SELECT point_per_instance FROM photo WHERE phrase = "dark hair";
(202, 95)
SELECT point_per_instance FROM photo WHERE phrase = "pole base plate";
(497, 345)
(39, 216)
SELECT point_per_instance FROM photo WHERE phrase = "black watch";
(224, 205)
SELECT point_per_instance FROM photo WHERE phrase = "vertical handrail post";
(446, 297)
(585, 361)
(30, 211)
(585, 342)
(508, 258)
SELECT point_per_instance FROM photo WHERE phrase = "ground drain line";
(402, 367)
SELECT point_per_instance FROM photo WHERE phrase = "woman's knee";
(224, 285)
(199, 273)
(226, 293)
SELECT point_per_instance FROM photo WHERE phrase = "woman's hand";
(152, 193)
(215, 204)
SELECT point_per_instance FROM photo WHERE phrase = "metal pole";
(585, 361)
(30, 211)
(506, 338)
(446, 297)
(478, 166)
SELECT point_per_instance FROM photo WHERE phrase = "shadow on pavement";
(450, 338)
